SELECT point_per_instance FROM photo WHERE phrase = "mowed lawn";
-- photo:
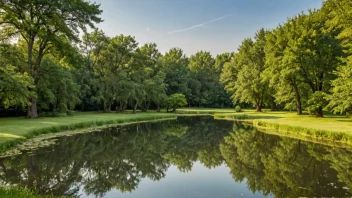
(17, 127)
(333, 123)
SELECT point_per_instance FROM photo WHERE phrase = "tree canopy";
(50, 63)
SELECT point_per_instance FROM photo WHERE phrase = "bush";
(238, 109)
(316, 103)
(175, 101)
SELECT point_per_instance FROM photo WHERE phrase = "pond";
(187, 157)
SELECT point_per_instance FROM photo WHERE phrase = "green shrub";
(238, 109)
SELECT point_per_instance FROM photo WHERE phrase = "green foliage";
(15, 83)
(175, 101)
(316, 101)
(248, 66)
(16, 192)
(175, 65)
(238, 109)
(63, 21)
(341, 97)
(296, 66)
(57, 90)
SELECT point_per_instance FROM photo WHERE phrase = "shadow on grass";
(345, 120)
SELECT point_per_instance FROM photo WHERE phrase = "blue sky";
(183, 23)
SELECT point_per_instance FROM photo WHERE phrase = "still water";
(187, 157)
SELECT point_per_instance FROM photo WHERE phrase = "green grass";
(15, 130)
(330, 128)
(15, 192)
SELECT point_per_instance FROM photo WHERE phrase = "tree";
(57, 91)
(281, 72)
(175, 101)
(316, 53)
(175, 66)
(153, 84)
(15, 84)
(91, 46)
(116, 66)
(43, 25)
(341, 97)
(202, 69)
(248, 86)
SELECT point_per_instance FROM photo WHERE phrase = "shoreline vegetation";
(14, 131)
(332, 129)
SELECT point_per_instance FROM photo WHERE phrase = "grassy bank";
(15, 130)
(330, 128)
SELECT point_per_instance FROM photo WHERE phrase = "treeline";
(46, 67)
(303, 64)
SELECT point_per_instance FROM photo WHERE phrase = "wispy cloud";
(199, 25)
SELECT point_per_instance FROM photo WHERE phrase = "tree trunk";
(135, 108)
(32, 111)
(158, 108)
(148, 105)
(299, 107)
(298, 100)
(258, 107)
(320, 112)
(120, 106)
(273, 105)
(32, 108)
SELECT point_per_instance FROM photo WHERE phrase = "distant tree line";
(46, 67)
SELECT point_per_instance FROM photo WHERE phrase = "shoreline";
(8, 144)
(319, 136)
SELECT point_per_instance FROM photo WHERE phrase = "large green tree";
(175, 66)
(46, 24)
(249, 84)
(316, 53)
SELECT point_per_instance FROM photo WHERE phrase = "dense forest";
(52, 64)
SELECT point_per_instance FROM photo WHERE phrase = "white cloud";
(199, 25)
(147, 29)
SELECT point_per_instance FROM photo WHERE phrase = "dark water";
(188, 157)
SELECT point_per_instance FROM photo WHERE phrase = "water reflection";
(120, 158)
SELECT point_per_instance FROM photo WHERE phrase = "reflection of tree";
(116, 158)
(242, 151)
(341, 161)
(280, 166)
